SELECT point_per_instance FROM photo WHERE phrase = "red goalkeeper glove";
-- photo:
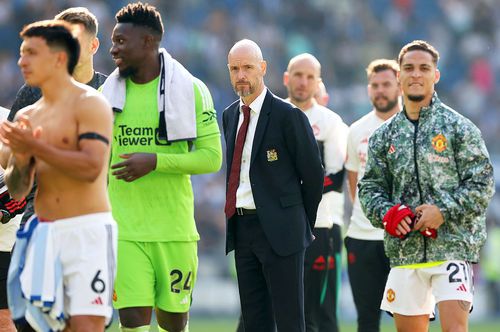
(394, 217)
(428, 232)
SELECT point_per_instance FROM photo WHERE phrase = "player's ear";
(95, 45)
(437, 76)
(286, 77)
(263, 67)
(150, 41)
(62, 59)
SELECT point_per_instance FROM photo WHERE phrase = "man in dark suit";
(274, 186)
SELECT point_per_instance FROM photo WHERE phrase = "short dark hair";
(57, 34)
(379, 65)
(419, 45)
(143, 15)
(80, 15)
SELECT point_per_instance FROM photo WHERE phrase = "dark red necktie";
(234, 175)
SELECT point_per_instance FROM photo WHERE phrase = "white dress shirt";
(244, 196)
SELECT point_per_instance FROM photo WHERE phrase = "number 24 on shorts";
(176, 278)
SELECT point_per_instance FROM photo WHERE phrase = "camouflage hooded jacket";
(440, 160)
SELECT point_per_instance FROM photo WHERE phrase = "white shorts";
(413, 292)
(86, 247)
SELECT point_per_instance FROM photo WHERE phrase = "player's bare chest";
(58, 127)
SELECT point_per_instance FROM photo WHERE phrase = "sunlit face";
(417, 75)
(37, 61)
(88, 43)
(127, 48)
(246, 71)
(302, 80)
(383, 90)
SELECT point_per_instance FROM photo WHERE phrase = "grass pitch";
(229, 325)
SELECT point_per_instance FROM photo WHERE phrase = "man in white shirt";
(368, 265)
(322, 260)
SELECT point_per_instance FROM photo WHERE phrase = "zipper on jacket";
(415, 123)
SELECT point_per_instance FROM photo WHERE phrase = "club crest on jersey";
(439, 143)
(272, 155)
(391, 295)
(392, 149)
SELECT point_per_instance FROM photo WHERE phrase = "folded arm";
(205, 158)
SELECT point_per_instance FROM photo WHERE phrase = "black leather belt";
(243, 212)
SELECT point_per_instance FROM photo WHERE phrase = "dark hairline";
(419, 45)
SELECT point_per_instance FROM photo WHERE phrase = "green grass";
(229, 325)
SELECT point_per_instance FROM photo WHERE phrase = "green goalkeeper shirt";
(160, 205)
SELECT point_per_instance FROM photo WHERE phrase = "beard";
(299, 98)
(416, 98)
(387, 108)
(243, 91)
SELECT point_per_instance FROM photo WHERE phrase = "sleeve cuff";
(162, 162)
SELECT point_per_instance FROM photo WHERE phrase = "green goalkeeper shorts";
(156, 274)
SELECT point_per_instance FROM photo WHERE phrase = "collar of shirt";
(256, 105)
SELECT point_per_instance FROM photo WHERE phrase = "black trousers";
(4, 271)
(322, 267)
(271, 286)
(368, 268)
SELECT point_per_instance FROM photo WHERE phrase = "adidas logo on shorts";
(97, 300)
(462, 288)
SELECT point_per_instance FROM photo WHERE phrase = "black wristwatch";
(5, 216)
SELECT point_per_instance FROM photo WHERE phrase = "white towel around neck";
(178, 101)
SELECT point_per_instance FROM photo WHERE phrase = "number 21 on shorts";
(460, 272)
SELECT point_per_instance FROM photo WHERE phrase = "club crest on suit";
(272, 155)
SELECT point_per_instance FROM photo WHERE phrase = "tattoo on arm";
(19, 179)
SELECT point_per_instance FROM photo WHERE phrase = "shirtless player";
(64, 139)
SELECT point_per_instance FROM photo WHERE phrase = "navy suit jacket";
(286, 174)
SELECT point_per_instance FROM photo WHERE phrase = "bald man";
(322, 259)
(274, 186)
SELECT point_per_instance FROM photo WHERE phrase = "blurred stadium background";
(345, 35)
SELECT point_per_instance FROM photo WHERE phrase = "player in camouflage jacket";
(443, 161)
